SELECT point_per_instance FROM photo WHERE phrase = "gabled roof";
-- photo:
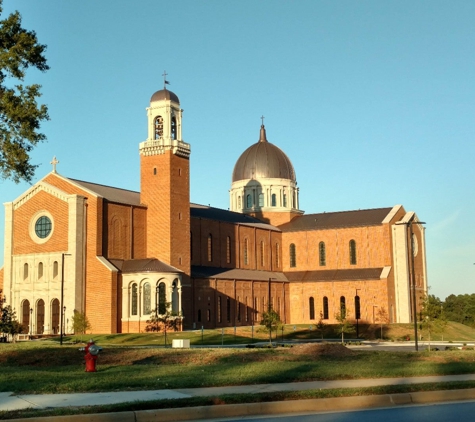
(336, 275)
(218, 214)
(121, 196)
(236, 274)
(147, 265)
(333, 220)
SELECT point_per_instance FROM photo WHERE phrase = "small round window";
(43, 227)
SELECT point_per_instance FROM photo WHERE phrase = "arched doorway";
(40, 316)
(25, 315)
(55, 316)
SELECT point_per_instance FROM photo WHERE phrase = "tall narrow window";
(210, 248)
(342, 307)
(134, 299)
(262, 253)
(246, 257)
(25, 271)
(246, 309)
(55, 269)
(239, 203)
(238, 309)
(249, 201)
(228, 309)
(219, 309)
(228, 249)
(158, 124)
(293, 255)
(261, 199)
(40, 271)
(325, 307)
(199, 315)
(277, 256)
(147, 299)
(285, 200)
(322, 259)
(55, 319)
(161, 299)
(352, 252)
(357, 308)
(173, 127)
(311, 307)
(25, 319)
(274, 200)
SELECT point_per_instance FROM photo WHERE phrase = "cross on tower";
(54, 162)
(262, 118)
(165, 82)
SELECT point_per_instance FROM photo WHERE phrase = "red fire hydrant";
(91, 351)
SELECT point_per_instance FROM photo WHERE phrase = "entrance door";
(40, 317)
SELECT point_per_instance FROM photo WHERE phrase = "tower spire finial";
(165, 82)
(262, 137)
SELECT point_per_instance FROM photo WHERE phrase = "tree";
(344, 326)
(432, 315)
(80, 323)
(166, 321)
(321, 325)
(20, 114)
(9, 324)
(382, 317)
(270, 319)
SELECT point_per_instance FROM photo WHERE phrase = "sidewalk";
(9, 401)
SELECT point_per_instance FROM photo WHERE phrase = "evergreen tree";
(20, 114)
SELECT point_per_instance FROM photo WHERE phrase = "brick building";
(120, 255)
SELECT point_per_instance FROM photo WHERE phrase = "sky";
(372, 101)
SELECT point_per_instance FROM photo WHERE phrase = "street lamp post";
(357, 311)
(61, 323)
(31, 322)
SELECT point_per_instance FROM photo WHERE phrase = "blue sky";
(373, 102)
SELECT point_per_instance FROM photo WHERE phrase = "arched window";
(161, 299)
(249, 201)
(40, 271)
(134, 310)
(322, 254)
(173, 128)
(357, 307)
(285, 200)
(228, 249)
(55, 269)
(277, 256)
(325, 307)
(262, 253)
(175, 309)
(25, 271)
(342, 307)
(246, 252)
(352, 252)
(55, 316)
(210, 247)
(239, 203)
(311, 306)
(274, 200)
(228, 309)
(147, 299)
(261, 199)
(40, 316)
(293, 255)
(25, 313)
(158, 126)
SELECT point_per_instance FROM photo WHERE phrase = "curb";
(268, 408)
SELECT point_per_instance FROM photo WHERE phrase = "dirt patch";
(321, 349)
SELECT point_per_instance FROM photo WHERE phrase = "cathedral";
(120, 256)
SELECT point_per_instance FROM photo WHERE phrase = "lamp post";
(62, 298)
(64, 314)
(413, 276)
(31, 322)
(357, 311)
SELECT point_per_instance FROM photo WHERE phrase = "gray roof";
(329, 220)
(121, 196)
(146, 265)
(218, 214)
(263, 160)
(235, 274)
(336, 275)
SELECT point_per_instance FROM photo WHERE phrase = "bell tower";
(165, 182)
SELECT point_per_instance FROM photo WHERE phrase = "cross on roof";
(165, 82)
(262, 118)
(54, 162)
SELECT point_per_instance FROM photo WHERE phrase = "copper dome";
(165, 94)
(263, 160)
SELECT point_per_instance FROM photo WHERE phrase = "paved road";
(439, 412)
